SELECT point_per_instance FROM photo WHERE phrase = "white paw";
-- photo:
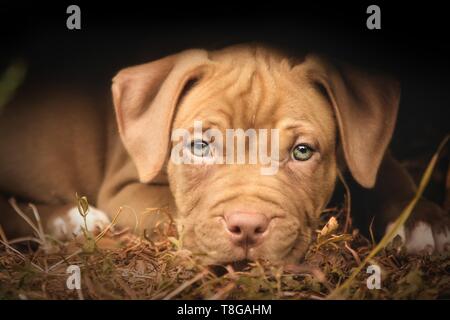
(422, 238)
(72, 222)
(400, 232)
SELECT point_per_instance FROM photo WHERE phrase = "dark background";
(413, 44)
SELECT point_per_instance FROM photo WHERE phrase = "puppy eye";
(302, 152)
(200, 148)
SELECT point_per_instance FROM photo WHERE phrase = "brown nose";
(245, 228)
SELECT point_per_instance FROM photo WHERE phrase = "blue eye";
(200, 148)
(302, 152)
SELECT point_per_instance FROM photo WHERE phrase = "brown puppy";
(327, 119)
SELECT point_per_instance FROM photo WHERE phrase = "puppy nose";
(245, 228)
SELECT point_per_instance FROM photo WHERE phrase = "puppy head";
(229, 209)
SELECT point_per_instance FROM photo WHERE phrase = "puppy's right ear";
(145, 98)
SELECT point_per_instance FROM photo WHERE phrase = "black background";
(281, 309)
(413, 44)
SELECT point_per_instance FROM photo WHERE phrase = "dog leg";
(428, 227)
(60, 221)
(137, 201)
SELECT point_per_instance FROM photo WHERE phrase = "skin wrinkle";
(306, 239)
(265, 199)
(238, 193)
(226, 118)
(263, 92)
(211, 89)
(261, 97)
(208, 91)
(218, 203)
(296, 237)
(309, 217)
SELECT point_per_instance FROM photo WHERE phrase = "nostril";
(259, 230)
(235, 229)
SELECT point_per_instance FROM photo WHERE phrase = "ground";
(119, 265)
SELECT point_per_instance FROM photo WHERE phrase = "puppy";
(320, 119)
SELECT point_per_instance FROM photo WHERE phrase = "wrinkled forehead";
(256, 93)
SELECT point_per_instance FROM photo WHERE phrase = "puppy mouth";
(279, 242)
(237, 266)
(246, 252)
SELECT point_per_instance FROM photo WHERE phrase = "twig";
(113, 222)
(348, 202)
(64, 260)
(447, 186)
(3, 237)
(372, 237)
(353, 252)
(223, 292)
(21, 255)
(185, 285)
(13, 203)
(24, 239)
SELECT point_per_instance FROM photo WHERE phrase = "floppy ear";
(366, 107)
(145, 98)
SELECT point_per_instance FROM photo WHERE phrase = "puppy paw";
(428, 230)
(71, 223)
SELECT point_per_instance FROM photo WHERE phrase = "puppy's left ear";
(366, 107)
(145, 99)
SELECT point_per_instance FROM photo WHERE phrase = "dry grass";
(119, 265)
